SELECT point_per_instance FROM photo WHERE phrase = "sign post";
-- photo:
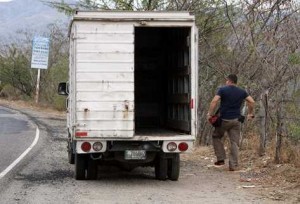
(39, 60)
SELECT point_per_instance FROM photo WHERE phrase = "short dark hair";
(233, 78)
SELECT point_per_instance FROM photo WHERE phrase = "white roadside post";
(39, 60)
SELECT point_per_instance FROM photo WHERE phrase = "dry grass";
(290, 153)
(31, 105)
(284, 176)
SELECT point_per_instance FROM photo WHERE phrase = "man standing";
(231, 98)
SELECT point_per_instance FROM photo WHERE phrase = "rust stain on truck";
(126, 109)
(85, 113)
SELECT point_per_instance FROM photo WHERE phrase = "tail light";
(97, 146)
(183, 146)
(86, 146)
(81, 134)
(192, 103)
(172, 146)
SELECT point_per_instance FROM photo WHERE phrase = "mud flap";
(161, 167)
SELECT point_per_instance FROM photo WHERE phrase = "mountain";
(31, 15)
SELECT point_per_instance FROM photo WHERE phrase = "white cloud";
(5, 1)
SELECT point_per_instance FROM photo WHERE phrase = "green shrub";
(9, 92)
(59, 102)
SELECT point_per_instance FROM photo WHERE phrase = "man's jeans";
(232, 127)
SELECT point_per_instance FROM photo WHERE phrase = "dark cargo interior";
(162, 81)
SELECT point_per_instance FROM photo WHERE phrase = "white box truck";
(132, 90)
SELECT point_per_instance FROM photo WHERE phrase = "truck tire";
(161, 168)
(71, 155)
(91, 169)
(174, 167)
(80, 166)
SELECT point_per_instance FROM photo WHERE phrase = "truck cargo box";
(132, 89)
(134, 74)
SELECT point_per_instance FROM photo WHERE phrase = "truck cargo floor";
(157, 132)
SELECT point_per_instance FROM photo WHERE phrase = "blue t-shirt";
(232, 98)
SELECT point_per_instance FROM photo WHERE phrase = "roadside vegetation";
(257, 40)
(18, 80)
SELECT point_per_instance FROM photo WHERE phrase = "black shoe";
(219, 163)
(234, 168)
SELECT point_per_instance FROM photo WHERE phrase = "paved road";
(16, 135)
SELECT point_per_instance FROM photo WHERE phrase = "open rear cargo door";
(104, 78)
(179, 80)
(162, 80)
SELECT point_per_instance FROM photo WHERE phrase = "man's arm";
(213, 105)
(250, 103)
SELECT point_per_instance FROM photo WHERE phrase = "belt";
(235, 119)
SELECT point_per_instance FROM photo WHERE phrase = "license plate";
(135, 154)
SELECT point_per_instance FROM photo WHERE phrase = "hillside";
(30, 15)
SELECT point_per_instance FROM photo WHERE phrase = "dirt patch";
(278, 182)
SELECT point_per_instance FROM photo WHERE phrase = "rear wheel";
(174, 167)
(80, 166)
(161, 168)
(91, 169)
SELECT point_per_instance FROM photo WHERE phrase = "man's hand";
(250, 104)
(212, 106)
(208, 116)
(250, 117)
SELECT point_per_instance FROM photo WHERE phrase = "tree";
(129, 5)
(15, 65)
(257, 40)
(57, 66)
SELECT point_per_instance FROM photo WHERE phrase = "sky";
(27, 15)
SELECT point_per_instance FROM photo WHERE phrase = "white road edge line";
(12, 165)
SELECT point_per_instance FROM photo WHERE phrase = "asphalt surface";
(45, 176)
(16, 135)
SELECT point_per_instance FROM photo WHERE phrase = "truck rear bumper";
(167, 145)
